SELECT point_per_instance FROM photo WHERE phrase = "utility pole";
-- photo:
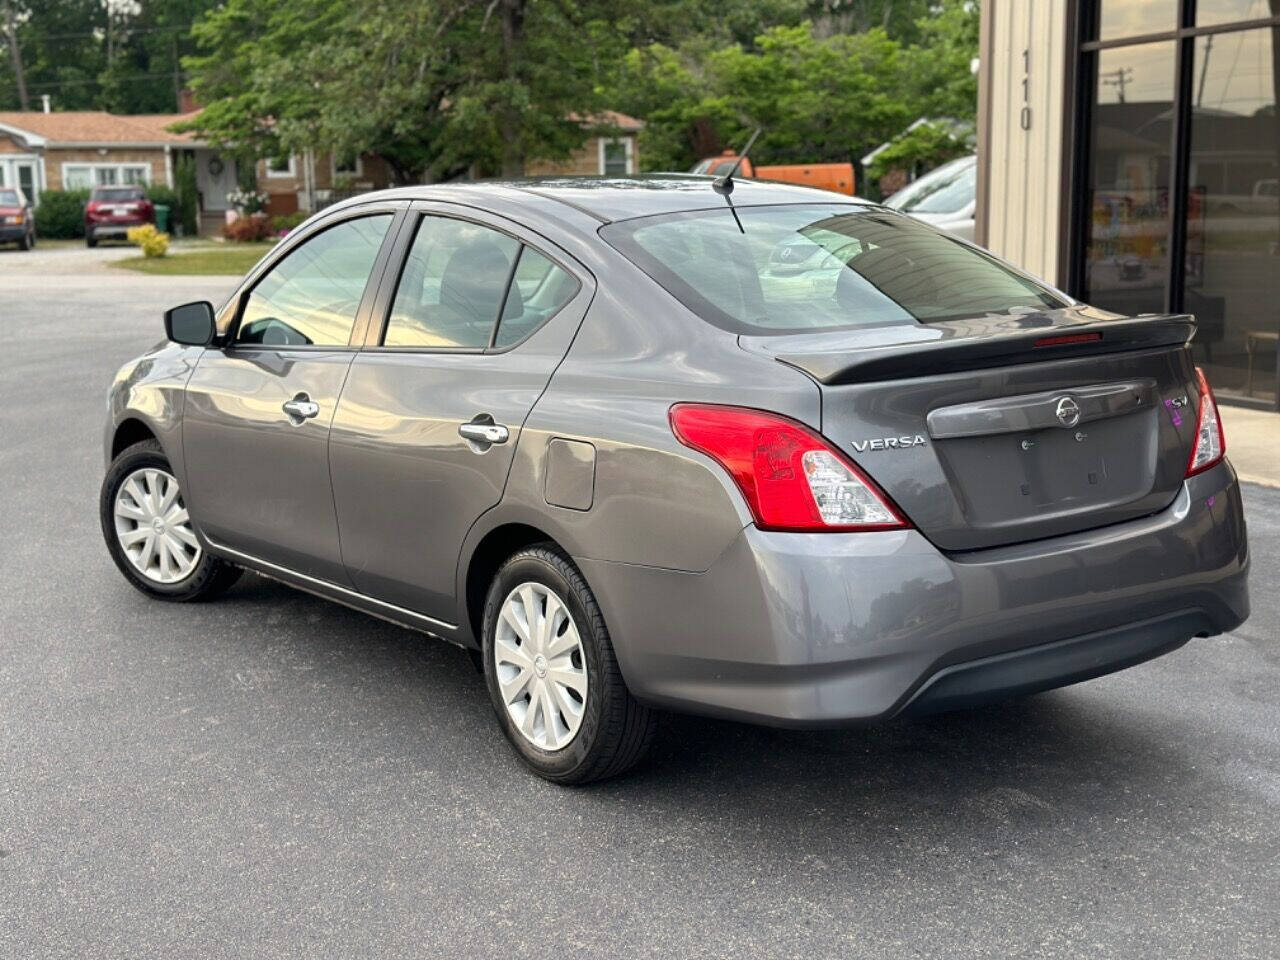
(1120, 77)
(11, 30)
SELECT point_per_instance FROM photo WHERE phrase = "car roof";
(607, 199)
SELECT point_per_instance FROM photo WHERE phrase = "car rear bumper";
(823, 629)
(114, 228)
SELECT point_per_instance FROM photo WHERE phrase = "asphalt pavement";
(272, 775)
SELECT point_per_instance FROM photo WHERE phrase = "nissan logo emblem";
(1067, 412)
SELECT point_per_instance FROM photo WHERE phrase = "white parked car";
(944, 198)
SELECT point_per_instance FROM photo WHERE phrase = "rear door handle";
(484, 432)
(300, 408)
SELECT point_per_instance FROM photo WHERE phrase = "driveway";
(271, 775)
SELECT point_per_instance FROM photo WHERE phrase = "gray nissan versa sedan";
(776, 456)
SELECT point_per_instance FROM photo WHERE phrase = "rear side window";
(539, 290)
(452, 285)
(456, 279)
(809, 268)
(312, 296)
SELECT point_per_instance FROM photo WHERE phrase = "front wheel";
(552, 675)
(28, 241)
(149, 533)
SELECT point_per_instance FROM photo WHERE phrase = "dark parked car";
(590, 431)
(17, 219)
(111, 211)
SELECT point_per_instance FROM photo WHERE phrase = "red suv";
(111, 211)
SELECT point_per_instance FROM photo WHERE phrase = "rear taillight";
(791, 477)
(1211, 444)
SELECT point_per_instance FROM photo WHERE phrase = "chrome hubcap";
(541, 667)
(153, 528)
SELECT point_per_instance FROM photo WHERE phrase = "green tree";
(99, 55)
(434, 89)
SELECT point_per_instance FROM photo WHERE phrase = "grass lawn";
(221, 260)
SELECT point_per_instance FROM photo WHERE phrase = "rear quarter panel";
(655, 502)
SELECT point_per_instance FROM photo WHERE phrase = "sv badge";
(888, 443)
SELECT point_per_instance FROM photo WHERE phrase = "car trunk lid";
(1001, 429)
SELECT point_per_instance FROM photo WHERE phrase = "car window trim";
(418, 210)
(236, 305)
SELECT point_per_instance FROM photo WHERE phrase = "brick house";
(79, 149)
(310, 180)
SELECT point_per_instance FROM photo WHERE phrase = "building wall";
(584, 161)
(1023, 82)
(55, 157)
(7, 145)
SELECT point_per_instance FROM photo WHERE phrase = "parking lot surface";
(273, 775)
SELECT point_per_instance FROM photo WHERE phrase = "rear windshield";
(117, 194)
(807, 268)
(9, 198)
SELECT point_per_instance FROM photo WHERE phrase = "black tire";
(90, 240)
(28, 241)
(208, 579)
(616, 730)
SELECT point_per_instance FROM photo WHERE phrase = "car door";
(432, 410)
(259, 407)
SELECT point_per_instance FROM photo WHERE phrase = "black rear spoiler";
(971, 349)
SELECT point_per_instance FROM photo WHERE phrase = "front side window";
(808, 268)
(312, 296)
(452, 286)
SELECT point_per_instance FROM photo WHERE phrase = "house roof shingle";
(96, 126)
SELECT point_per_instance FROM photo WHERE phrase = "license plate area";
(1011, 478)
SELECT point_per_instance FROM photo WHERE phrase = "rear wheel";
(149, 533)
(90, 240)
(552, 675)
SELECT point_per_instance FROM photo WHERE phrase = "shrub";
(284, 223)
(251, 229)
(164, 196)
(187, 211)
(61, 213)
(152, 241)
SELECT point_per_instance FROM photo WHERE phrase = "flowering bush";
(152, 241)
(248, 201)
(251, 229)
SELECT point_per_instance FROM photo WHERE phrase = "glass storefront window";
(1133, 18)
(1232, 277)
(1211, 12)
(1127, 236)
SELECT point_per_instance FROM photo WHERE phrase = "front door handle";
(485, 433)
(300, 408)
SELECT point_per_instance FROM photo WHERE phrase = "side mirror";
(191, 324)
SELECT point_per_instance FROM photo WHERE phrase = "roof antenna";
(724, 185)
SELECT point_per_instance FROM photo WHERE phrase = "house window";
(82, 176)
(349, 166)
(615, 157)
(281, 166)
(77, 178)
